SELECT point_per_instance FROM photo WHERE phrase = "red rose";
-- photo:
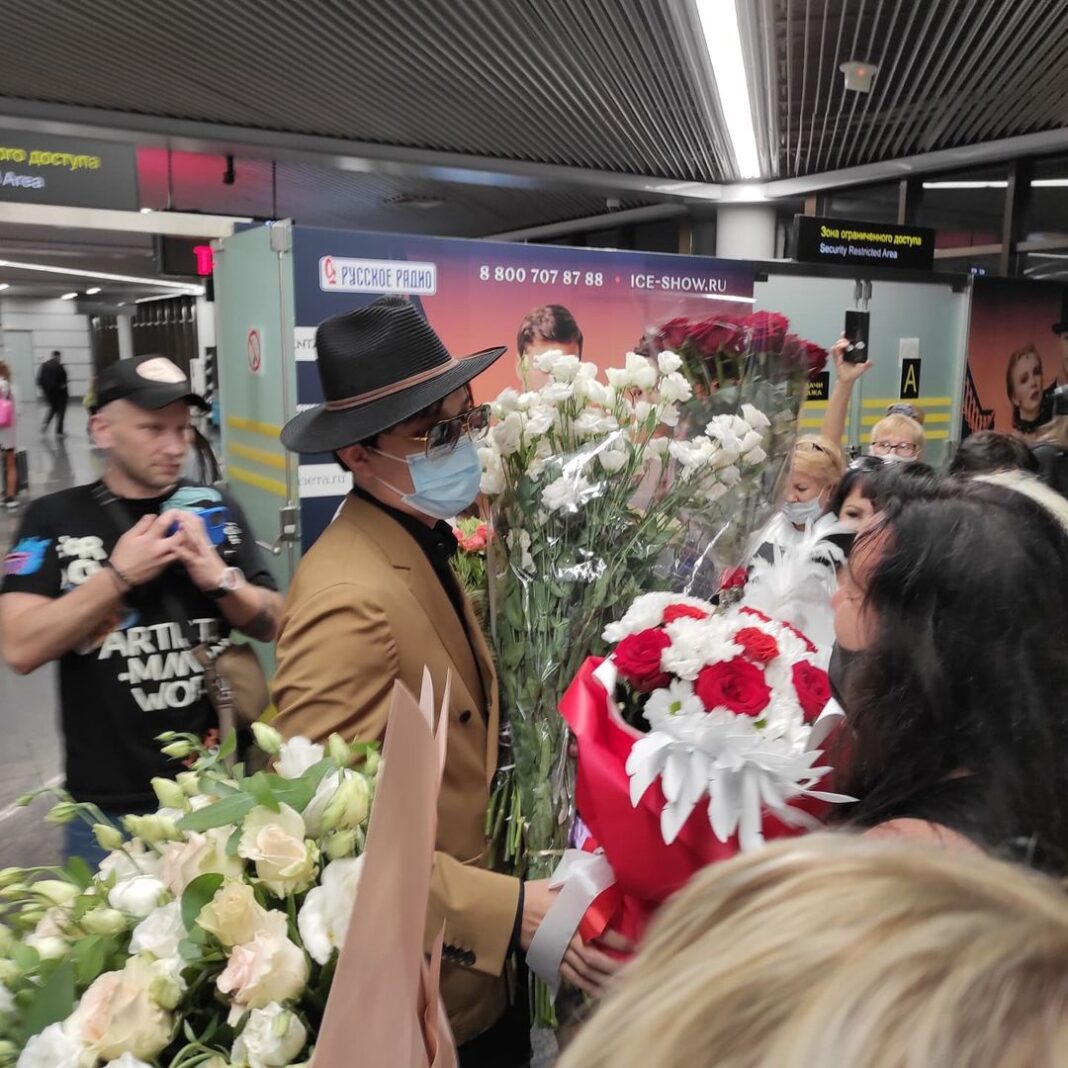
(815, 358)
(813, 690)
(759, 615)
(637, 658)
(682, 611)
(758, 646)
(720, 334)
(734, 684)
(733, 578)
(767, 331)
(673, 333)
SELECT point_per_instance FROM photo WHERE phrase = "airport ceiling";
(474, 117)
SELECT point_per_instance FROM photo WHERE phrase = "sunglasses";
(810, 446)
(442, 438)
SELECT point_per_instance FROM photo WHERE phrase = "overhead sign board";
(68, 171)
(862, 244)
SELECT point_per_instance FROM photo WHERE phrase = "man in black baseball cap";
(118, 580)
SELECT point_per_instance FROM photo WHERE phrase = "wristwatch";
(229, 581)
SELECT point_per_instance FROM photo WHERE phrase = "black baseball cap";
(148, 381)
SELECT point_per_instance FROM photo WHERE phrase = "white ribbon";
(583, 877)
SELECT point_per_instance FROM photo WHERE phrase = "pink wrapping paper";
(384, 1010)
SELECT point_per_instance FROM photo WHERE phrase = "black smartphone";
(856, 332)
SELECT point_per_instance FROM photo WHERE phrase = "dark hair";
(957, 706)
(879, 480)
(428, 415)
(551, 322)
(989, 450)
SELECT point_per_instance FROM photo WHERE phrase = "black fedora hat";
(378, 366)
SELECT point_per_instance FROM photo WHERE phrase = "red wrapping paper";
(647, 870)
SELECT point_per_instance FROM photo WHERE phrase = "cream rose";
(198, 855)
(323, 919)
(271, 1038)
(269, 968)
(117, 1015)
(233, 915)
(274, 842)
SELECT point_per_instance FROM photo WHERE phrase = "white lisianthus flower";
(271, 1038)
(730, 476)
(117, 1015)
(658, 447)
(137, 896)
(539, 421)
(675, 389)
(493, 480)
(754, 456)
(618, 378)
(612, 460)
(198, 855)
(54, 1048)
(7, 1001)
(586, 372)
(316, 807)
(159, 932)
(592, 423)
(103, 921)
(269, 968)
(297, 756)
(755, 417)
(507, 435)
(751, 440)
(593, 392)
(546, 361)
(274, 842)
(233, 915)
(640, 371)
(566, 493)
(668, 414)
(668, 362)
(522, 539)
(323, 919)
(506, 402)
(557, 392)
(132, 859)
(642, 410)
(566, 368)
(691, 454)
(714, 491)
(55, 891)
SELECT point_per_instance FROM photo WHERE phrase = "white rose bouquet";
(590, 482)
(209, 935)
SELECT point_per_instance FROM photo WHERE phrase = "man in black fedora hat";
(375, 600)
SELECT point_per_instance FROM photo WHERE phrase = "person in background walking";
(8, 443)
(52, 382)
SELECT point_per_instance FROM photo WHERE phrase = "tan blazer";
(366, 608)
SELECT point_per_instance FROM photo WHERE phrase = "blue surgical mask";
(444, 486)
(802, 512)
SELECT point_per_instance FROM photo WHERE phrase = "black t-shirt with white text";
(135, 677)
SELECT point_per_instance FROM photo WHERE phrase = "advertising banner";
(68, 171)
(478, 294)
(1017, 355)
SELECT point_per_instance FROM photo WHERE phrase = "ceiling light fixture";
(68, 296)
(92, 291)
(719, 24)
(5, 285)
(858, 75)
(966, 185)
(146, 211)
(159, 283)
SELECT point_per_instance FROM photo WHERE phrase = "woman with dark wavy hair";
(952, 665)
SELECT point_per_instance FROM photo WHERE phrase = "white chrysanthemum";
(648, 611)
(695, 643)
(677, 700)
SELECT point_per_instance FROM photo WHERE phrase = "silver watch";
(229, 581)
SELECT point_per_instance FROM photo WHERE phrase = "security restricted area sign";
(69, 171)
(862, 244)
(254, 349)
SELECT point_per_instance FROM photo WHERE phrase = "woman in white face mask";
(816, 468)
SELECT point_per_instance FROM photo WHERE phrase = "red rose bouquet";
(698, 736)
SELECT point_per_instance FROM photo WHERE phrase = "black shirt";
(136, 677)
(438, 543)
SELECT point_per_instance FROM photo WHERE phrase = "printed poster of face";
(1017, 356)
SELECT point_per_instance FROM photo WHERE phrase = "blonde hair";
(819, 458)
(839, 951)
(897, 423)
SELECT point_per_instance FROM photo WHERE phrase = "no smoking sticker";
(254, 349)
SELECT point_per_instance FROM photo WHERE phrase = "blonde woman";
(838, 952)
(8, 440)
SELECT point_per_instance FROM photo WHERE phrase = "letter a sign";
(910, 379)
